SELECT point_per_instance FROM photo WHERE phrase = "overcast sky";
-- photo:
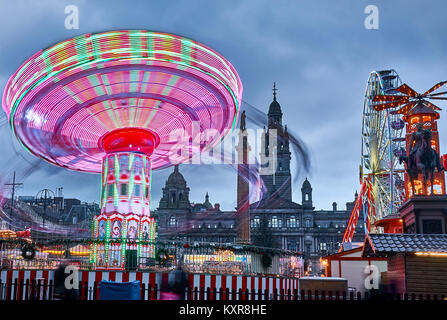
(318, 52)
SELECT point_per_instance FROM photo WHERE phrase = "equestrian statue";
(422, 158)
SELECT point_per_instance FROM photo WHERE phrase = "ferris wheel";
(383, 141)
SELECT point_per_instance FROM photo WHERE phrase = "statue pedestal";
(425, 214)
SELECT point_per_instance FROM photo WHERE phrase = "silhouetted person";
(61, 292)
(175, 288)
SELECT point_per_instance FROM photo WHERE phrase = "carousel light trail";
(109, 103)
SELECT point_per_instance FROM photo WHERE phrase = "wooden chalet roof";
(381, 245)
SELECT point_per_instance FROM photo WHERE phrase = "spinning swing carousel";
(122, 103)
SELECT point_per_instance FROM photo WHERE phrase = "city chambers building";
(293, 226)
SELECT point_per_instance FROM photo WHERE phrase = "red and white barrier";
(232, 282)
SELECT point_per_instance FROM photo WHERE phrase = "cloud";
(318, 52)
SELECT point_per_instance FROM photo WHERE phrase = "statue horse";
(424, 159)
(411, 170)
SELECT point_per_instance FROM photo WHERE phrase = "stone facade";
(294, 226)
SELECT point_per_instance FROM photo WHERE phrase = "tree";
(263, 237)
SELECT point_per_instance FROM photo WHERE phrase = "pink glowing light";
(63, 99)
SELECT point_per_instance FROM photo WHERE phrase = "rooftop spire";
(274, 91)
(275, 113)
(243, 121)
(207, 202)
(176, 168)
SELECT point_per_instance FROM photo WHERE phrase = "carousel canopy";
(64, 99)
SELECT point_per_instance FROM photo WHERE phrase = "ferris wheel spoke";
(383, 152)
(382, 133)
(383, 187)
(384, 197)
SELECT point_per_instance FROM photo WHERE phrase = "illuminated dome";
(64, 100)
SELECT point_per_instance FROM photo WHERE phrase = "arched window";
(291, 222)
(172, 222)
(274, 222)
(307, 223)
(255, 222)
